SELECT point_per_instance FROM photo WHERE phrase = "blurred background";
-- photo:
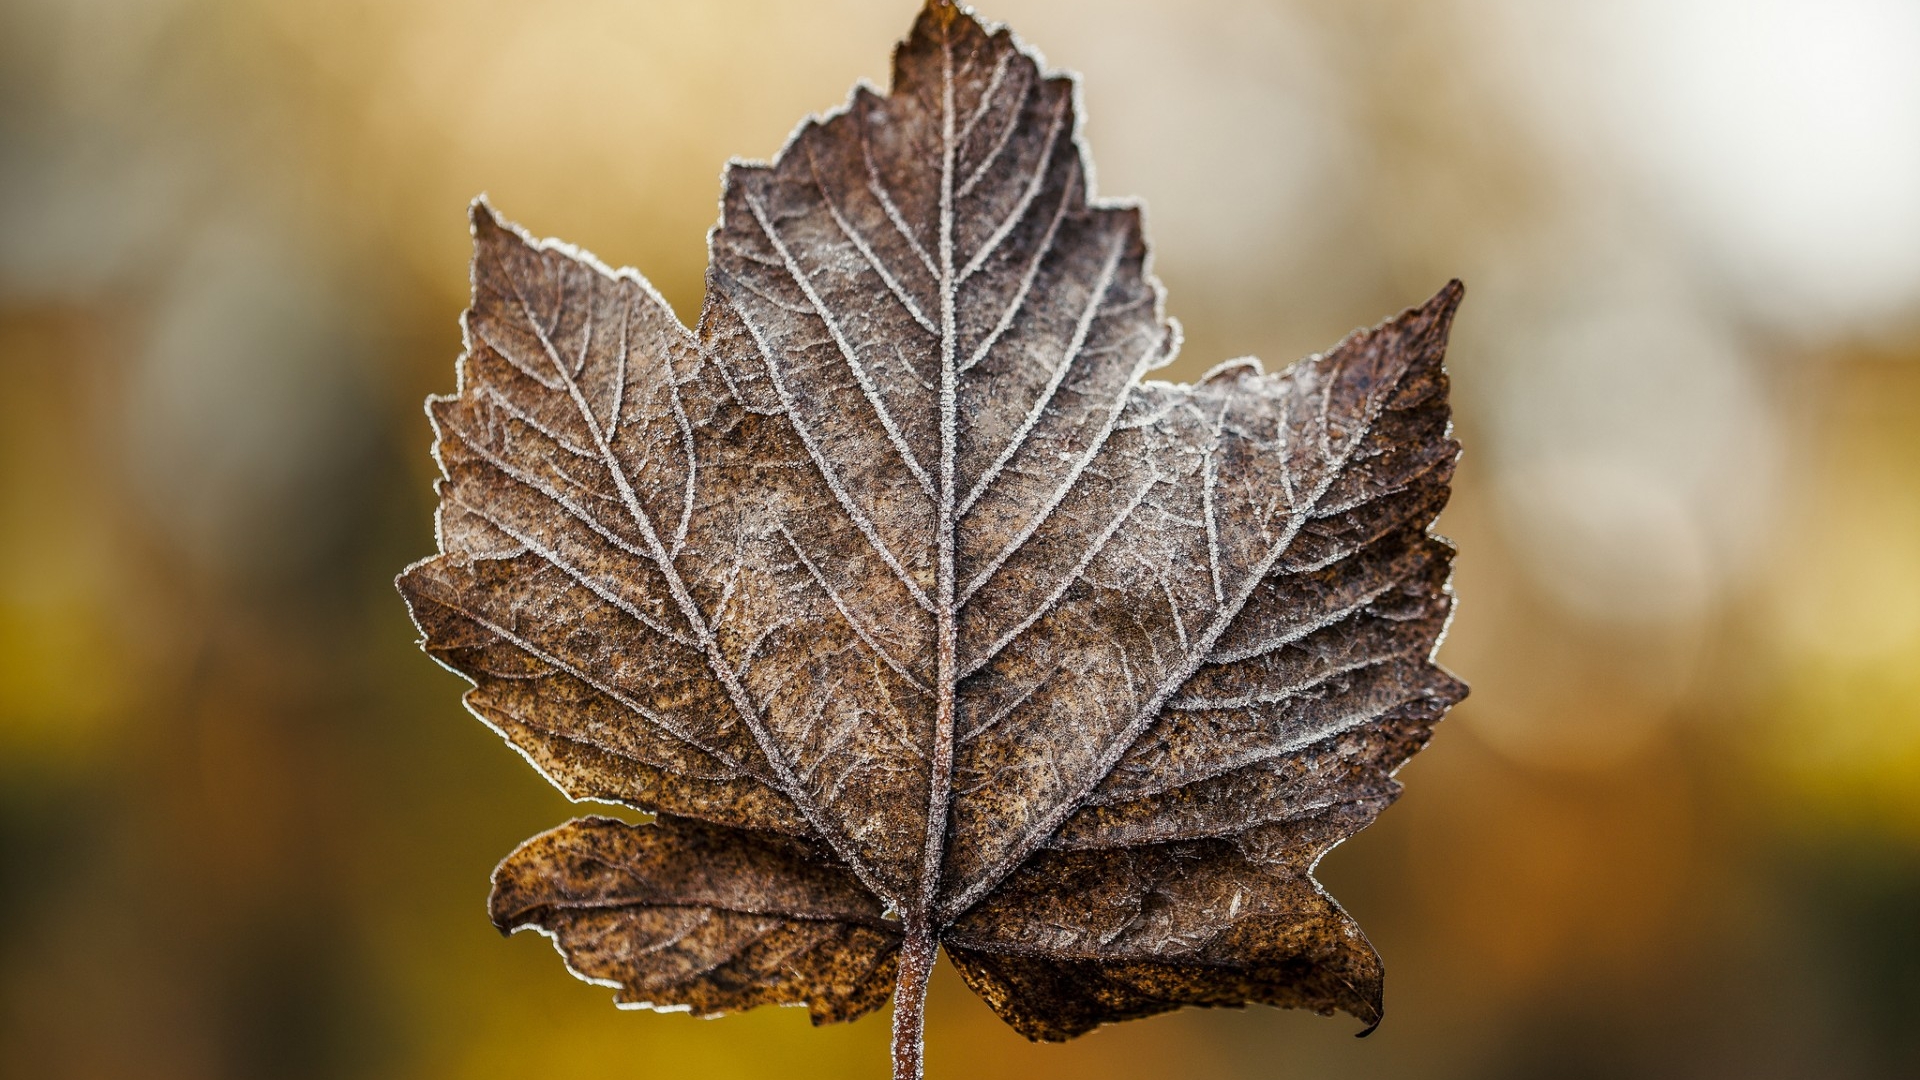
(246, 827)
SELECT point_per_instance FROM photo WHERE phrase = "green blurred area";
(246, 827)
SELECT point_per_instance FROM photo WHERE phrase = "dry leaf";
(915, 614)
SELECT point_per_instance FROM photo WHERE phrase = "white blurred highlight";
(1781, 137)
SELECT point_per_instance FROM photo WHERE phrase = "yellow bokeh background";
(245, 826)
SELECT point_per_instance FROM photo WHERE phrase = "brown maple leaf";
(915, 615)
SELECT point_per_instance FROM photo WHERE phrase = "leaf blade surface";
(895, 575)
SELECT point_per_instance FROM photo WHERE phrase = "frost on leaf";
(915, 614)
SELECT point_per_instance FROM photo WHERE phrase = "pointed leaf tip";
(480, 211)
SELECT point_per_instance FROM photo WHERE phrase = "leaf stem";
(917, 955)
(920, 950)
